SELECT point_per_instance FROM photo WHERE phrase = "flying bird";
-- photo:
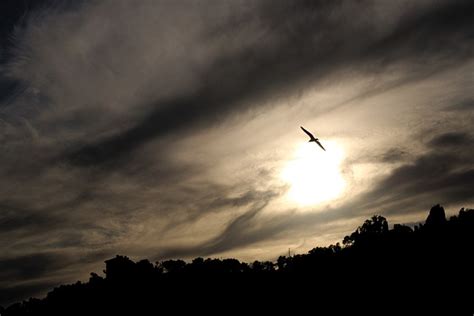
(312, 138)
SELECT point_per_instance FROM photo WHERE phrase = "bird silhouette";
(312, 138)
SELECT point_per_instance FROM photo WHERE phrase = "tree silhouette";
(436, 217)
(426, 269)
(377, 225)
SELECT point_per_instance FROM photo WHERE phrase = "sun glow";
(314, 175)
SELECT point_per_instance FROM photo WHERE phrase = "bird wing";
(320, 145)
(309, 134)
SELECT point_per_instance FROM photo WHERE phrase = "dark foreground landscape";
(428, 269)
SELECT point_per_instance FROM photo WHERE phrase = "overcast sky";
(170, 129)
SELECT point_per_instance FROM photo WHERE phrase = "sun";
(314, 175)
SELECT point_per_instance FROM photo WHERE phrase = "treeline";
(425, 268)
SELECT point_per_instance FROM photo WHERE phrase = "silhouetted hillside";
(377, 270)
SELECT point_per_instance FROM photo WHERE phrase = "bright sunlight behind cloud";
(314, 175)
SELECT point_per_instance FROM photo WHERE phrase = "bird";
(312, 138)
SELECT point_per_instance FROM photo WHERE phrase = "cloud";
(19, 219)
(393, 155)
(451, 140)
(29, 266)
(464, 105)
(437, 35)
(444, 172)
(317, 39)
(243, 230)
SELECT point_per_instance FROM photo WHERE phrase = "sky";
(171, 129)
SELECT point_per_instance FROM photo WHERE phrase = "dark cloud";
(217, 244)
(29, 266)
(15, 14)
(390, 155)
(215, 199)
(15, 219)
(433, 33)
(8, 90)
(241, 231)
(11, 12)
(454, 140)
(394, 155)
(465, 105)
(317, 39)
(242, 200)
(443, 174)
